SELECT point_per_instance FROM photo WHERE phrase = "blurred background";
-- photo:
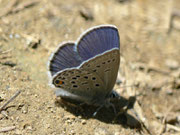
(30, 30)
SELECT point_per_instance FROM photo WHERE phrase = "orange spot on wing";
(61, 82)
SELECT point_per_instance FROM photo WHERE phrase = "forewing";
(97, 40)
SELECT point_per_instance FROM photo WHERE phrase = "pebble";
(176, 74)
(32, 41)
(18, 132)
(176, 84)
(169, 91)
(27, 126)
(156, 127)
(1, 99)
(25, 109)
(158, 84)
(86, 14)
(171, 118)
(83, 122)
(4, 113)
(178, 118)
(172, 64)
(1, 116)
(68, 117)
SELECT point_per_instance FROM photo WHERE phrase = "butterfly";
(86, 70)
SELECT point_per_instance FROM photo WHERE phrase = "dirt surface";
(149, 71)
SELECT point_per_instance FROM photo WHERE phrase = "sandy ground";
(150, 63)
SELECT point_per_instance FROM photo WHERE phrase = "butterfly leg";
(97, 110)
(109, 105)
(114, 109)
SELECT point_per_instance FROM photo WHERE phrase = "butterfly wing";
(64, 57)
(85, 84)
(87, 71)
(97, 40)
(78, 84)
(106, 67)
(100, 47)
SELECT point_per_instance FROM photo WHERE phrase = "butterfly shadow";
(107, 115)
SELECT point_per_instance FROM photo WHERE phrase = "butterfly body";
(86, 70)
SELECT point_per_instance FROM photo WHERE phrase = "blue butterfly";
(86, 70)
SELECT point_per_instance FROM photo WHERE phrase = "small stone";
(28, 127)
(79, 117)
(1, 116)
(171, 118)
(176, 74)
(17, 118)
(169, 91)
(176, 21)
(18, 132)
(17, 36)
(86, 13)
(158, 114)
(4, 113)
(83, 122)
(1, 99)
(25, 109)
(172, 64)
(47, 126)
(178, 118)
(52, 110)
(70, 117)
(176, 84)
(32, 41)
(156, 127)
(69, 121)
(158, 84)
